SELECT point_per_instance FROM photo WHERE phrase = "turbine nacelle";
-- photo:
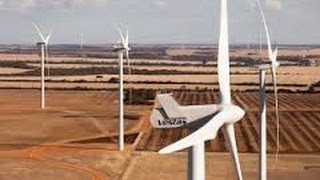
(41, 43)
(236, 111)
(44, 39)
(118, 49)
(121, 46)
(168, 113)
(123, 42)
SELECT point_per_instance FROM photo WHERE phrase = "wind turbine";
(81, 44)
(272, 54)
(121, 48)
(226, 116)
(44, 58)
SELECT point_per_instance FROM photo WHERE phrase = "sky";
(158, 21)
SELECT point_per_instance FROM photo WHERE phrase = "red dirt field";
(69, 116)
(75, 138)
(219, 167)
(299, 124)
(49, 144)
(54, 162)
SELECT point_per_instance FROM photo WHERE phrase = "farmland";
(155, 68)
(76, 135)
(299, 125)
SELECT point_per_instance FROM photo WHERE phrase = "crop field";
(76, 136)
(156, 68)
(299, 124)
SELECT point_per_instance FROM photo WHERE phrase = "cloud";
(30, 4)
(274, 4)
(16, 4)
(159, 3)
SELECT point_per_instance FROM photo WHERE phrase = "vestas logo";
(172, 122)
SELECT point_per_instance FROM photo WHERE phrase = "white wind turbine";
(44, 58)
(81, 42)
(121, 48)
(227, 114)
(263, 119)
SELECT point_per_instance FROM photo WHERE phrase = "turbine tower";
(227, 115)
(44, 58)
(272, 54)
(121, 48)
(81, 42)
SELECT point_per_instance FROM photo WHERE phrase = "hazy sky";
(158, 21)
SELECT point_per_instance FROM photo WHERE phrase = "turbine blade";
(48, 38)
(207, 132)
(274, 64)
(231, 137)
(121, 36)
(275, 88)
(127, 36)
(128, 61)
(270, 52)
(126, 46)
(223, 57)
(39, 32)
(47, 59)
(274, 57)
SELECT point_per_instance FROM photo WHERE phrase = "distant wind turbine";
(121, 48)
(272, 54)
(44, 58)
(227, 114)
(81, 44)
